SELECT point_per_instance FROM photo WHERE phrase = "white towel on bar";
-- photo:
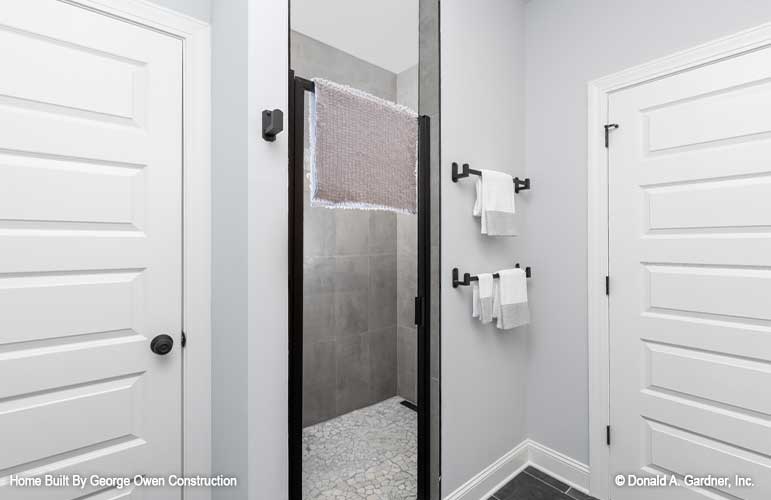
(363, 150)
(475, 304)
(510, 303)
(495, 203)
(486, 297)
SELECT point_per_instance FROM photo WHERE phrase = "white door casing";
(689, 217)
(90, 247)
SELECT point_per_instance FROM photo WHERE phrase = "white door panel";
(690, 266)
(90, 249)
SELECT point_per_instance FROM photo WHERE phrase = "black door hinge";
(608, 128)
(184, 339)
(607, 285)
(607, 434)
(418, 311)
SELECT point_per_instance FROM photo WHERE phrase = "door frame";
(298, 87)
(599, 91)
(195, 421)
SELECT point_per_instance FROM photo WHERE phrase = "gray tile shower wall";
(350, 273)
(406, 289)
(349, 311)
(407, 267)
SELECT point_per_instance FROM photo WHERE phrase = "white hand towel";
(495, 203)
(511, 299)
(479, 202)
(475, 305)
(486, 297)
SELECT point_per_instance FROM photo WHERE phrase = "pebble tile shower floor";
(368, 454)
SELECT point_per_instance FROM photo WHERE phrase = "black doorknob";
(162, 344)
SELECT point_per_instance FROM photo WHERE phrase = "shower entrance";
(359, 421)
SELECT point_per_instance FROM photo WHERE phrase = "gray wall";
(200, 9)
(483, 369)
(230, 253)
(568, 44)
(407, 266)
(350, 272)
(267, 210)
(249, 250)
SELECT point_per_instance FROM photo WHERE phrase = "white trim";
(527, 453)
(570, 471)
(494, 476)
(196, 322)
(597, 165)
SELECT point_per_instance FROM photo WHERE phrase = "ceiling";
(382, 32)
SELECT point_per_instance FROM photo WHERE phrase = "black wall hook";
(468, 278)
(272, 124)
(519, 184)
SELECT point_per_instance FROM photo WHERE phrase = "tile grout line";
(547, 484)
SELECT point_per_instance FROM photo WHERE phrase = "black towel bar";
(467, 278)
(519, 184)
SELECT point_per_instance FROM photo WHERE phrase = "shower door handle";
(418, 311)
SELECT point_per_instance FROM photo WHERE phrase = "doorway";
(358, 351)
(359, 304)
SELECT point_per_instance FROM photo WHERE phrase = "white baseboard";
(528, 452)
(489, 480)
(559, 466)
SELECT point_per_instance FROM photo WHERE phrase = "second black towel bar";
(467, 278)
(519, 184)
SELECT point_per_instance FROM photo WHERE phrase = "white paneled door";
(690, 280)
(90, 250)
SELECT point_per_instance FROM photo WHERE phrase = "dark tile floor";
(532, 484)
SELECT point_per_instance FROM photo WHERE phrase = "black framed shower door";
(297, 89)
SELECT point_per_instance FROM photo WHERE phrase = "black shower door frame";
(297, 89)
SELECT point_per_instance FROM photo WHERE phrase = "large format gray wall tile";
(406, 288)
(351, 274)
(318, 317)
(319, 403)
(319, 360)
(318, 230)
(351, 314)
(382, 232)
(319, 389)
(353, 373)
(319, 275)
(383, 273)
(382, 291)
(407, 234)
(382, 349)
(353, 235)
(406, 352)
